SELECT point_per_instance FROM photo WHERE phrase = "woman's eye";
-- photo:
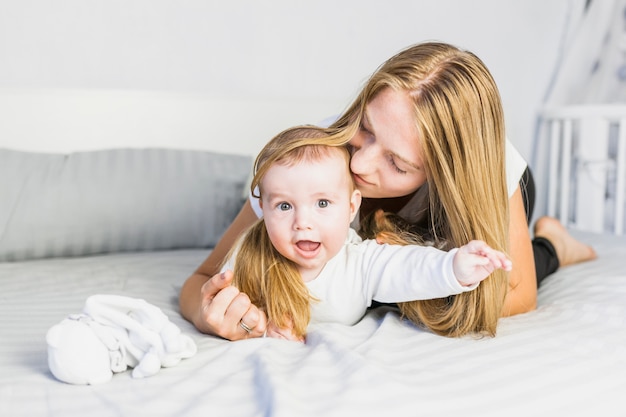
(323, 203)
(284, 206)
(364, 129)
(395, 166)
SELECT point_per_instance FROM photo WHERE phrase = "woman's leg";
(568, 249)
(553, 246)
(546, 259)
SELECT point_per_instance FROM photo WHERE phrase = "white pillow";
(116, 200)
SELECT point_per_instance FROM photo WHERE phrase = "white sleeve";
(515, 166)
(397, 273)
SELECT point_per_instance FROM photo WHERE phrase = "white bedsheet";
(566, 358)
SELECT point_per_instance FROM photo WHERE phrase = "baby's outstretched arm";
(476, 260)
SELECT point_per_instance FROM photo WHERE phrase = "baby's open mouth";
(307, 245)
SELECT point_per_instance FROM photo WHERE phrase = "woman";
(427, 143)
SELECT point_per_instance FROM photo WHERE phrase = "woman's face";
(386, 155)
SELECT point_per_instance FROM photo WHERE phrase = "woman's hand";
(226, 312)
(210, 302)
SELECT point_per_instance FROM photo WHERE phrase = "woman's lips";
(359, 180)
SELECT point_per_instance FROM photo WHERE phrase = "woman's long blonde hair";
(272, 281)
(460, 123)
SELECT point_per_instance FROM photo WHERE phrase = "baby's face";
(307, 209)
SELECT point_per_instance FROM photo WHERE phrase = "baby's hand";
(476, 261)
(286, 333)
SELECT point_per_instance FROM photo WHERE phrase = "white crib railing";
(587, 166)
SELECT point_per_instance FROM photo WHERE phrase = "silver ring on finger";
(245, 326)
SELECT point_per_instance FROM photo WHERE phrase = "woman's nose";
(363, 158)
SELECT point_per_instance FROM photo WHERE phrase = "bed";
(136, 220)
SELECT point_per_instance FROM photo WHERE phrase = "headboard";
(586, 152)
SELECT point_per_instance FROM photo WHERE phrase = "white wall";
(317, 50)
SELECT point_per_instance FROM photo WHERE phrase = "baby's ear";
(355, 203)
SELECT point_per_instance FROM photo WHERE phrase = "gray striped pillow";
(118, 200)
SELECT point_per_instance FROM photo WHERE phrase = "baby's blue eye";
(284, 206)
(323, 203)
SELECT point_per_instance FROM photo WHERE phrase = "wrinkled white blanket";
(566, 358)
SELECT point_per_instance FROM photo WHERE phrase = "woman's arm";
(209, 301)
(522, 295)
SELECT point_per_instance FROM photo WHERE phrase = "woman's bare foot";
(568, 249)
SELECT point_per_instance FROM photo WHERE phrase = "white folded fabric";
(114, 333)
